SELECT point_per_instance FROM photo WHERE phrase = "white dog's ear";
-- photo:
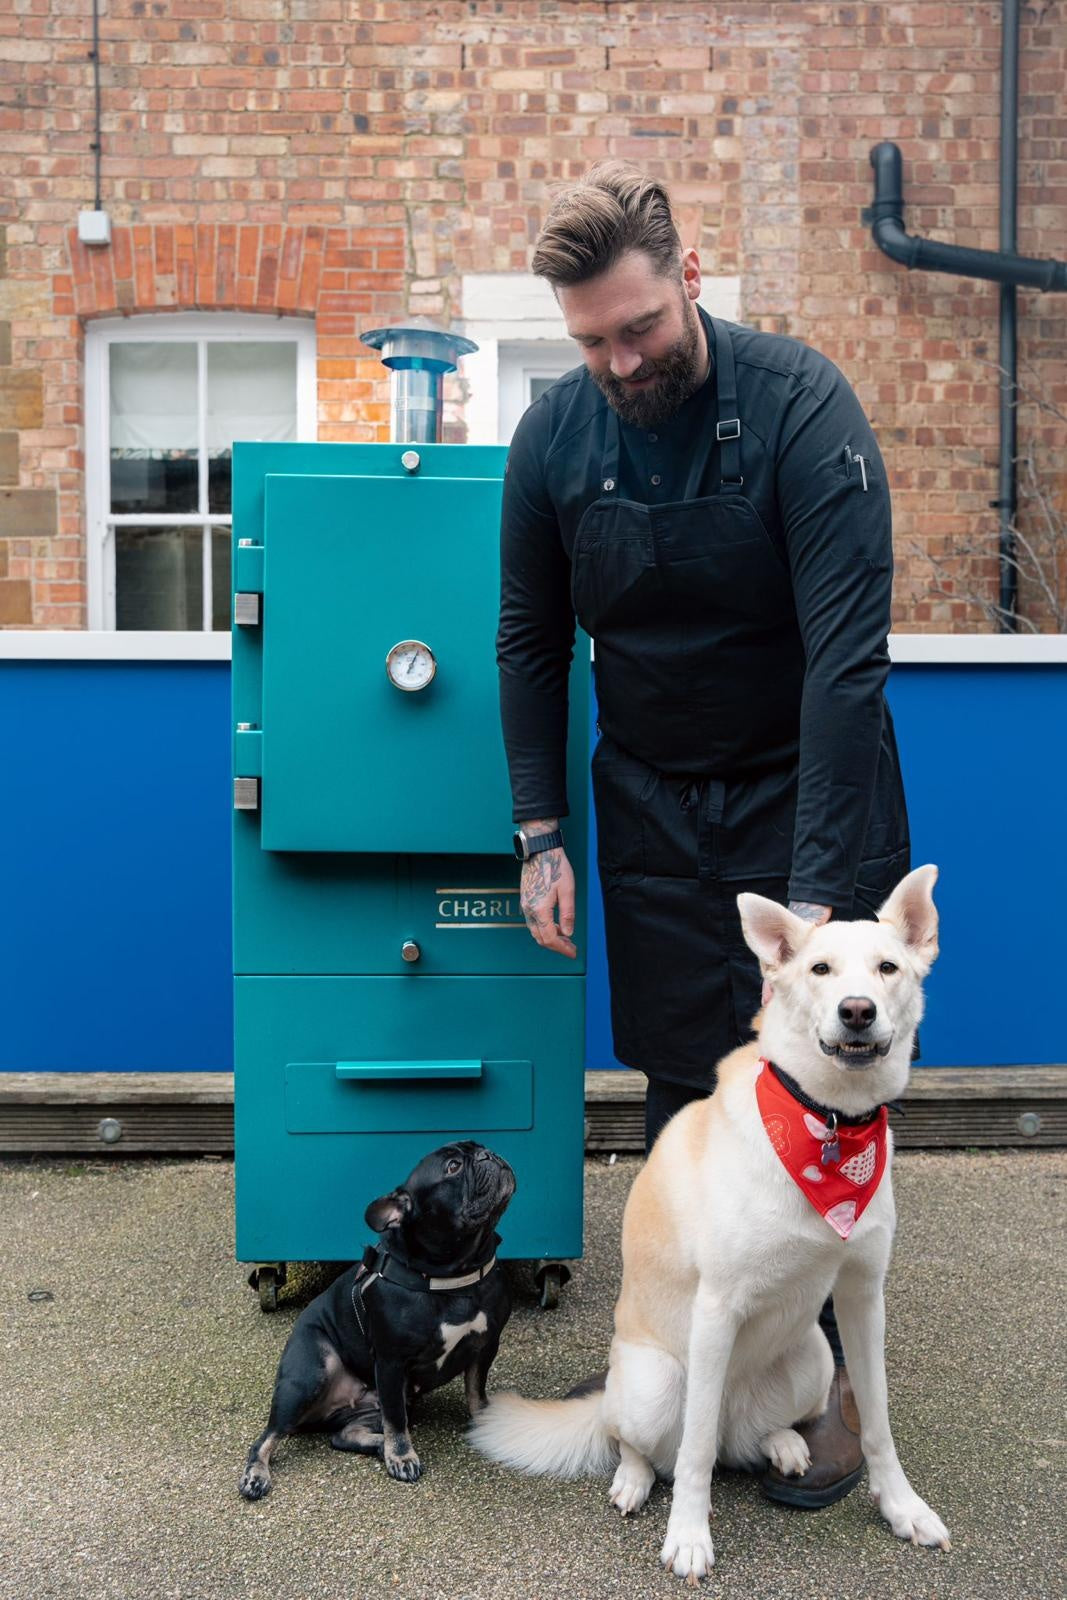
(911, 911)
(771, 932)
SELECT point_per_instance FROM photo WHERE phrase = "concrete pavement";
(131, 1394)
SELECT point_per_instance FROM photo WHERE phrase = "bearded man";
(710, 503)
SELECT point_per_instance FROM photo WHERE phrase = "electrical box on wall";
(94, 227)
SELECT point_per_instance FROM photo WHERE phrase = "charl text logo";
(479, 908)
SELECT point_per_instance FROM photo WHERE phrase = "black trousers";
(662, 1100)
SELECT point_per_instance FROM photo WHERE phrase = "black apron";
(699, 676)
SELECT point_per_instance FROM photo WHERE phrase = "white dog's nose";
(856, 1011)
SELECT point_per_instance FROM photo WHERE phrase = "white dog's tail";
(561, 1438)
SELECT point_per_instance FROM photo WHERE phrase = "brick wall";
(352, 159)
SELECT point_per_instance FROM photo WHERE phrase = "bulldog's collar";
(379, 1263)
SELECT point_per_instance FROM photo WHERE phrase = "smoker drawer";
(408, 1096)
(343, 1084)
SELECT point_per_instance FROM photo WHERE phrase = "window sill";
(94, 644)
(905, 649)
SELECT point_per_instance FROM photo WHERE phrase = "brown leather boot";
(836, 1457)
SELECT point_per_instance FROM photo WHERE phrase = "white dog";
(754, 1206)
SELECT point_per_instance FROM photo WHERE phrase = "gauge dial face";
(410, 665)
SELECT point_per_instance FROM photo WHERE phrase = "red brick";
(185, 263)
(143, 267)
(226, 266)
(122, 253)
(205, 264)
(248, 252)
(164, 243)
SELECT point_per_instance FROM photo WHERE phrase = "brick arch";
(347, 279)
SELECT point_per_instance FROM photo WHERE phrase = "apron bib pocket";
(613, 568)
(717, 561)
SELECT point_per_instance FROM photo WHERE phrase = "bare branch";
(1036, 396)
(1035, 550)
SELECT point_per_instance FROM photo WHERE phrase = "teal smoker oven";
(388, 997)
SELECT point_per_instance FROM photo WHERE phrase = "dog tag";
(831, 1146)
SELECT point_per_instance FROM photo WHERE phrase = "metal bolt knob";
(410, 950)
(410, 461)
(109, 1130)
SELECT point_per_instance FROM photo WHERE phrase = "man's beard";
(676, 378)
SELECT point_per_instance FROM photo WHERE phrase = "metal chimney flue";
(418, 355)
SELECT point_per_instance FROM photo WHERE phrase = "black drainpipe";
(1007, 498)
(1002, 266)
(94, 57)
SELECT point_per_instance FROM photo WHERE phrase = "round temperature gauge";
(410, 665)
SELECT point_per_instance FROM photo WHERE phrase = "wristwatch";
(531, 844)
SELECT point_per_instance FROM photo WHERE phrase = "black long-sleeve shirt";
(802, 432)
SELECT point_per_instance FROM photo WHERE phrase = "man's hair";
(614, 208)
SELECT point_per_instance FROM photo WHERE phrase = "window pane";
(251, 394)
(220, 484)
(143, 481)
(221, 540)
(153, 426)
(159, 578)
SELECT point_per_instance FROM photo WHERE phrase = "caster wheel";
(267, 1281)
(267, 1285)
(550, 1278)
(548, 1299)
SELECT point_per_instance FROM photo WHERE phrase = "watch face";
(410, 665)
(518, 841)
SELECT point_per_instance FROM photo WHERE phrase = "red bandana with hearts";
(838, 1168)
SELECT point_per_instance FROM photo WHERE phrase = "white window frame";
(183, 327)
(517, 363)
(520, 333)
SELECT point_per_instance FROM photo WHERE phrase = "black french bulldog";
(426, 1304)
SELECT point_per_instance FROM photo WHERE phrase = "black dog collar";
(827, 1114)
(379, 1263)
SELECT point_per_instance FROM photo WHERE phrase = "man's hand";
(546, 889)
(810, 912)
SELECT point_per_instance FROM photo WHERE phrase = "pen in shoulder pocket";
(860, 462)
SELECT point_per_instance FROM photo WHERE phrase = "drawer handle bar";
(377, 1071)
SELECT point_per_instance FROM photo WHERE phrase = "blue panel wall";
(115, 902)
(115, 909)
(984, 755)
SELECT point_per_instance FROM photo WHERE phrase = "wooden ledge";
(169, 1113)
(944, 1108)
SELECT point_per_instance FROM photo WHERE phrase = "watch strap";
(536, 843)
(544, 841)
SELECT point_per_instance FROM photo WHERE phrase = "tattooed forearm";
(809, 911)
(540, 825)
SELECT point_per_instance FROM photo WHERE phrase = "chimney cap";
(419, 343)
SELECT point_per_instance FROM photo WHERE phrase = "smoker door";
(352, 566)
